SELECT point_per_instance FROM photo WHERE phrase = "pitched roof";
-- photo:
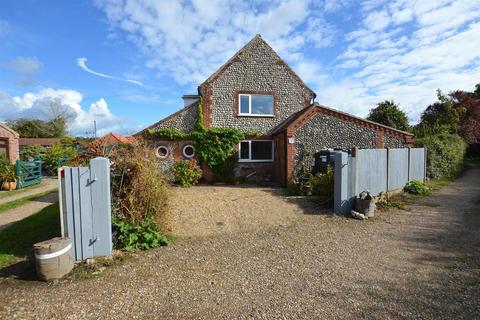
(7, 128)
(235, 57)
(114, 138)
(296, 120)
(194, 104)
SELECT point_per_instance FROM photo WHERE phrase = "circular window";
(188, 151)
(162, 152)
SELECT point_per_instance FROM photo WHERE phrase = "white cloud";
(81, 62)
(438, 48)
(189, 41)
(25, 65)
(38, 105)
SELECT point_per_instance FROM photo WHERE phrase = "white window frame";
(158, 154)
(250, 151)
(250, 114)
(185, 147)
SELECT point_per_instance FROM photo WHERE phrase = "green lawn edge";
(18, 202)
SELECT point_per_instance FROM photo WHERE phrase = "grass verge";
(9, 193)
(20, 201)
(16, 241)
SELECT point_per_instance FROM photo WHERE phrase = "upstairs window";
(255, 105)
(256, 151)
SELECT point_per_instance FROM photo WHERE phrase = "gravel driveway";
(422, 264)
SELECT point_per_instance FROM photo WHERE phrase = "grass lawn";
(9, 193)
(19, 202)
(17, 240)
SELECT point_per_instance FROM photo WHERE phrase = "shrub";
(445, 154)
(28, 153)
(138, 188)
(187, 172)
(322, 185)
(7, 172)
(142, 235)
(417, 187)
(56, 155)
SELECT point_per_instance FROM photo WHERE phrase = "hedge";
(445, 154)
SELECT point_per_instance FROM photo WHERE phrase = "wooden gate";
(28, 173)
(85, 209)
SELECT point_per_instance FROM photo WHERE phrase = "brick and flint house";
(256, 91)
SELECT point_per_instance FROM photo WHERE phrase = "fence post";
(388, 170)
(424, 165)
(100, 188)
(341, 203)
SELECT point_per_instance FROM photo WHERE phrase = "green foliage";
(170, 133)
(28, 153)
(7, 173)
(417, 187)
(216, 145)
(322, 185)
(55, 156)
(143, 235)
(445, 154)
(442, 117)
(35, 128)
(187, 172)
(389, 114)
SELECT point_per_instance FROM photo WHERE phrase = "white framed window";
(188, 151)
(255, 105)
(255, 151)
(162, 152)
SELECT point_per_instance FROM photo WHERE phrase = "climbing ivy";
(214, 146)
(169, 133)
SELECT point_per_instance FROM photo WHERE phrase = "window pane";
(244, 150)
(244, 104)
(262, 104)
(262, 150)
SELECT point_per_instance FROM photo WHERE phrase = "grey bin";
(53, 258)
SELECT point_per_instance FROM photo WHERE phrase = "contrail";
(81, 63)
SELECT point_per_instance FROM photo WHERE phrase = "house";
(8, 143)
(114, 138)
(256, 91)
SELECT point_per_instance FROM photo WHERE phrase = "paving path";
(46, 185)
(417, 264)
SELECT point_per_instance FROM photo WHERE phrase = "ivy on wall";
(214, 146)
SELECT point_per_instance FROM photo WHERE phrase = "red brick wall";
(12, 144)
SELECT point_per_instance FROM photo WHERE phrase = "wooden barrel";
(53, 258)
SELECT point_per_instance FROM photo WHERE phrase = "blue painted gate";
(28, 173)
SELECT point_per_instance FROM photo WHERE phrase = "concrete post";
(341, 203)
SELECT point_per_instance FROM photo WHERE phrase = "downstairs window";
(255, 151)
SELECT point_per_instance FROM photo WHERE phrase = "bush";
(322, 185)
(417, 187)
(187, 172)
(445, 154)
(138, 188)
(56, 155)
(143, 235)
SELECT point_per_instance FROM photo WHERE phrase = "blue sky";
(126, 64)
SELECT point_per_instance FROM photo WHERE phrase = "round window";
(162, 152)
(188, 151)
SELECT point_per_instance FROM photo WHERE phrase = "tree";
(389, 114)
(35, 128)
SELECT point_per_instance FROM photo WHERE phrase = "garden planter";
(9, 186)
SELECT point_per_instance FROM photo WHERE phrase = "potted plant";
(7, 176)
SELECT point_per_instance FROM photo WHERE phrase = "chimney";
(188, 99)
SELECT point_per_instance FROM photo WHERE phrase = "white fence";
(375, 170)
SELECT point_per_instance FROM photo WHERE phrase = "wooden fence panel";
(85, 208)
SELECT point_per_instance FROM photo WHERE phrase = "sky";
(127, 63)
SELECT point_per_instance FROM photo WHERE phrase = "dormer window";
(256, 105)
